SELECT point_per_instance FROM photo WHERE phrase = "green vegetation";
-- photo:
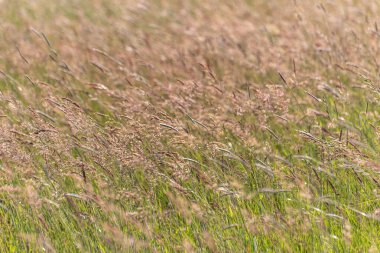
(196, 126)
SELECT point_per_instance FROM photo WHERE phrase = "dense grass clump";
(196, 126)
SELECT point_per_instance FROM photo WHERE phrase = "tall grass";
(212, 126)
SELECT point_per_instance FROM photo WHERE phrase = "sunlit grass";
(177, 126)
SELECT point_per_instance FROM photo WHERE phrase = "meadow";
(189, 126)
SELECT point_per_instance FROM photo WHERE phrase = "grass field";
(189, 126)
